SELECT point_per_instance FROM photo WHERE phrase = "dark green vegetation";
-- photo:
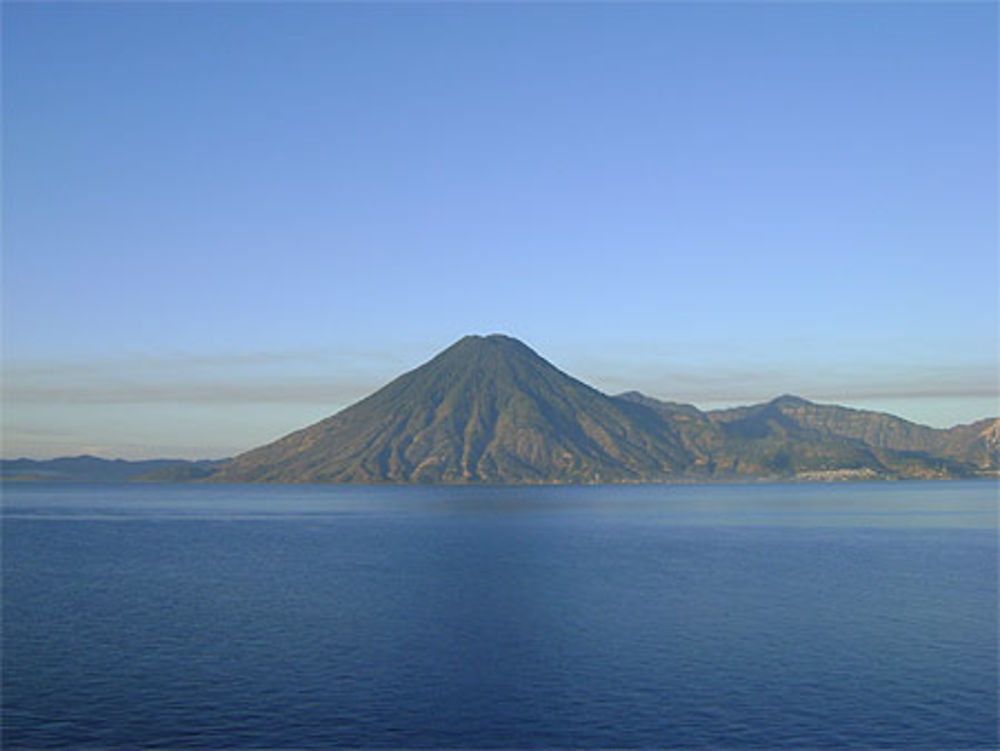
(490, 410)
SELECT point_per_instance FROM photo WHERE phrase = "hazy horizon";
(223, 222)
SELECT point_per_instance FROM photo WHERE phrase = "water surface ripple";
(739, 617)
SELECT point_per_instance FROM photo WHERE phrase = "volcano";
(487, 409)
(490, 410)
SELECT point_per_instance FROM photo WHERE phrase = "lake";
(790, 616)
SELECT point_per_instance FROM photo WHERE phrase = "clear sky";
(225, 221)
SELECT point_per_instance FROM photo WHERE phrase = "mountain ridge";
(489, 409)
(92, 469)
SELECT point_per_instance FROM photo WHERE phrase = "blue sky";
(225, 221)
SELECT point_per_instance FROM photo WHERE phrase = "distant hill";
(93, 469)
(977, 444)
(490, 410)
(790, 436)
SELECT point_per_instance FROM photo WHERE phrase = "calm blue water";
(764, 616)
